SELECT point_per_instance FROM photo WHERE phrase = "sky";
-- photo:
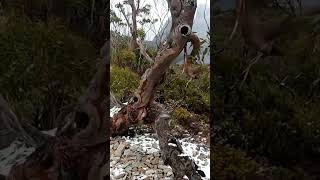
(159, 10)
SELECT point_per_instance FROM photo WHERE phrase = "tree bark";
(134, 32)
(27, 132)
(134, 41)
(172, 152)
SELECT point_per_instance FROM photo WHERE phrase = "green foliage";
(232, 164)
(274, 114)
(182, 115)
(82, 6)
(43, 63)
(152, 53)
(141, 34)
(123, 58)
(122, 81)
(194, 96)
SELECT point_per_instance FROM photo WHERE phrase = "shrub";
(43, 63)
(194, 97)
(230, 163)
(122, 81)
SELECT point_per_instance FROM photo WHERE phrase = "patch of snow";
(114, 111)
(16, 153)
(145, 143)
(149, 145)
(203, 151)
(51, 132)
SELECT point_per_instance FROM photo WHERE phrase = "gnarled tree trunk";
(142, 108)
(182, 13)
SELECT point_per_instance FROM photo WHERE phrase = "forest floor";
(135, 157)
(139, 157)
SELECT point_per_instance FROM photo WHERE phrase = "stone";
(120, 175)
(148, 172)
(167, 170)
(194, 153)
(120, 149)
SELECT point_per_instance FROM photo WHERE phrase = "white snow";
(151, 145)
(15, 153)
(114, 111)
(202, 150)
(51, 132)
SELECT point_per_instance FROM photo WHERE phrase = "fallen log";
(172, 152)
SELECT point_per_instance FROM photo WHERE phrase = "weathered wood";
(182, 14)
(25, 131)
(172, 152)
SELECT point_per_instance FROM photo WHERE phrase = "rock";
(155, 145)
(194, 153)
(143, 161)
(120, 149)
(167, 170)
(162, 167)
(120, 175)
(128, 152)
(148, 172)
(155, 161)
(202, 156)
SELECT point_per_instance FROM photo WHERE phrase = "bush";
(43, 63)
(123, 58)
(194, 97)
(232, 164)
(123, 81)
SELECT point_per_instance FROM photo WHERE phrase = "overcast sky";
(159, 10)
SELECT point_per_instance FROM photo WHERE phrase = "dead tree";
(260, 35)
(80, 148)
(181, 32)
(257, 34)
(142, 108)
(134, 41)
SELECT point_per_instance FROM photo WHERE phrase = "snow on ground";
(15, 153)
(147, 144)
(51, 132)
